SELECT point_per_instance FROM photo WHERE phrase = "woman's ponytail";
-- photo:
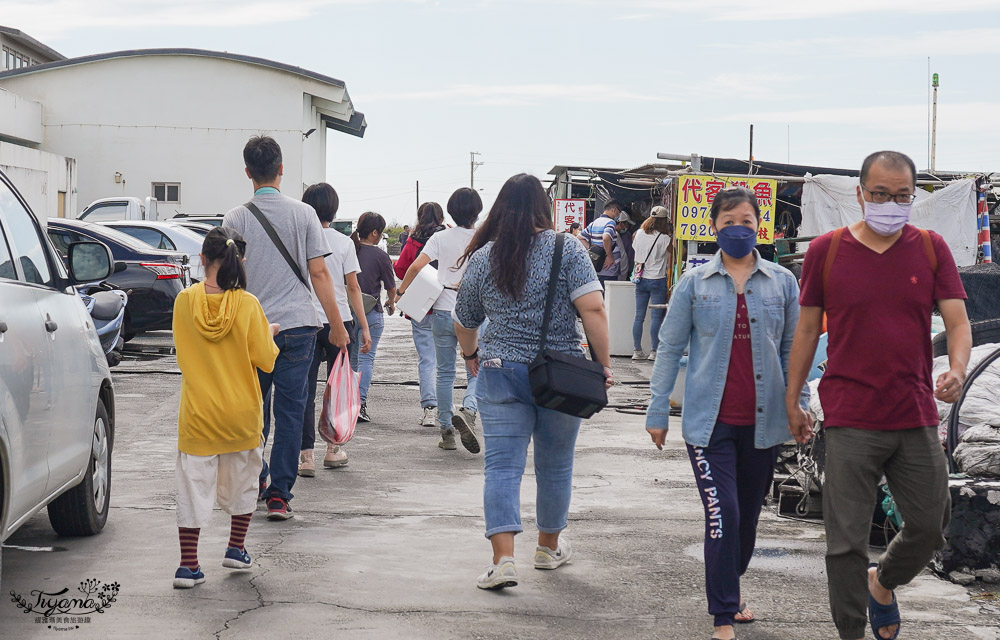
(225, 247)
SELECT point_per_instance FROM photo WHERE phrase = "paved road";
(390, 546)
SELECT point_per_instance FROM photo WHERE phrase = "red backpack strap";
(929, 249)
(831, 255)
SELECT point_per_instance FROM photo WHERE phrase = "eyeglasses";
(881, 197)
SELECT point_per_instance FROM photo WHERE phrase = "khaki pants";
(916, 471)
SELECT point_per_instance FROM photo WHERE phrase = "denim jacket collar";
(715, 266)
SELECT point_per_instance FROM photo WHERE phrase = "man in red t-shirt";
(878, 281)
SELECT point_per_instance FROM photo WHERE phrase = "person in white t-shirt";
(344, 268)
(652, 255)
(447, 247)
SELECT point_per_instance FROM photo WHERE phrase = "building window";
(13, 59)
(167, 192)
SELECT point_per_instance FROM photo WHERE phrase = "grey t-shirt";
(284, 298)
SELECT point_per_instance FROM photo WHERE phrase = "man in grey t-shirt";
(286, 300)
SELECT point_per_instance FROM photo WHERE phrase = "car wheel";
(83, 510)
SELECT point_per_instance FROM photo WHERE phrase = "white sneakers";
(500, 575)
(652, 356)
(639, 354)
(546, 558)
(430, 418)
(504, 574)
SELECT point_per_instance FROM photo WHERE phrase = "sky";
(530, 84)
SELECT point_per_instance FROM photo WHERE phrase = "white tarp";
(830, 202)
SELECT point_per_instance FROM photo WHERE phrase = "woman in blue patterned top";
(506, 280)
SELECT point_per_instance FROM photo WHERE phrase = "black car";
(152, 278)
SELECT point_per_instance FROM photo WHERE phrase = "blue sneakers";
(237, 559)
(185, 578)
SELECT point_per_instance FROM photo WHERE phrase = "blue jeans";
(366, 361)
(648, 292)
(733, 478)
(324, 351)
(290, 380)
(445, 343)
(510, 420)
(423, 340)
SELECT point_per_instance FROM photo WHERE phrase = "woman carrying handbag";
(507, 280)
(650, 277)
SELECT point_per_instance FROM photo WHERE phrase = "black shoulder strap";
(550, 298)
(279, 245)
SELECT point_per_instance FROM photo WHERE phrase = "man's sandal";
(883, 615)
(744, 615)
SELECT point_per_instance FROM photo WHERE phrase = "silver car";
(56, 396)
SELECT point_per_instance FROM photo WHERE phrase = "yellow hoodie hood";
(214, 315)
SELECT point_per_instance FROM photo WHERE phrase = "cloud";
(741, 10)
(47, 19)
(520, 95)
(954, 42)
(965, 117)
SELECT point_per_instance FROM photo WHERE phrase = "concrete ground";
(390, 546)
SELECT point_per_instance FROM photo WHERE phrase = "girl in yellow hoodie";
(222, 337)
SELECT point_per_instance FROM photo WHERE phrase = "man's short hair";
(406, 227)
(613, 204)
(891, 159)
(262, 156)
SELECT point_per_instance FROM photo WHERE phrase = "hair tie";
(230, 242)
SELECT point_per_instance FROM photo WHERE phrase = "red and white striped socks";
(189, 547)
(238, 530)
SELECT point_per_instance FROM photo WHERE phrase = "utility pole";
(934, 83)
(472, 168)
(751, 147)
(418, 194)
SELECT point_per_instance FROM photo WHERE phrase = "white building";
(47, 180)
(170, 123)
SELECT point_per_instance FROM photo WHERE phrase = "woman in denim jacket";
(738, 314)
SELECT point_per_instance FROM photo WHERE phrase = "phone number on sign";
(690, 224)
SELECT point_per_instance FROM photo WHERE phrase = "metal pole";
(751, 147)
(472, 168)
(934, 123)
(418, 194)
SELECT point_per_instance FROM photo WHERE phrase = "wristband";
(475, 354)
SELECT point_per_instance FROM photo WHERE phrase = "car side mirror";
(88, 262)
(120, 266)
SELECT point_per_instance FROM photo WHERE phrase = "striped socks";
(238, 530)
(189, 547)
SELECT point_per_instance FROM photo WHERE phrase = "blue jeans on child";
(445, 343)
(649, 292)
(423, 341)
(733, 479)
(366, 361)
(290, 380)
(511, 420)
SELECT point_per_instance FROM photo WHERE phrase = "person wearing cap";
(626, 229)
(652, 248)
(602, 233)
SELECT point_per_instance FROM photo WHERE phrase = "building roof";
(356, 126)
(25, 39)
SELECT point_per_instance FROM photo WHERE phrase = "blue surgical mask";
(736, 241)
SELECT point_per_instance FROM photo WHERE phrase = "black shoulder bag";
(559, 381)
(278, 244)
